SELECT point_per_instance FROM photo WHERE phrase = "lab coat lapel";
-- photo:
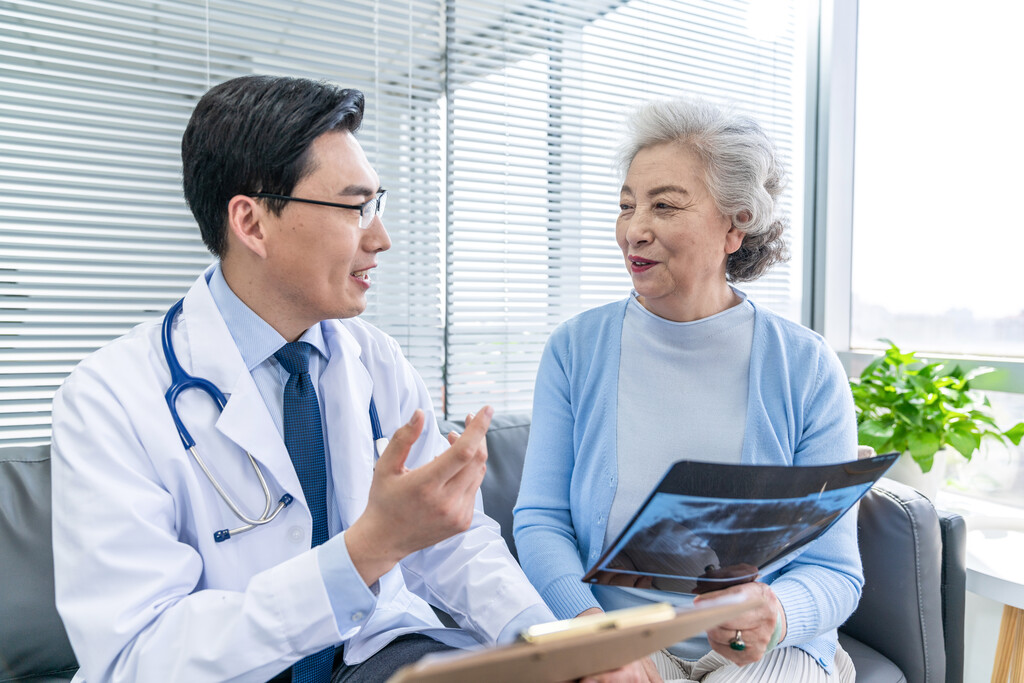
(247, 422)
(245, 419)
(346, 406)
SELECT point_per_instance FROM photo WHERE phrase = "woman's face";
(674, 239)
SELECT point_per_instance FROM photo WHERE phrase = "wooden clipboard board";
(571, 653)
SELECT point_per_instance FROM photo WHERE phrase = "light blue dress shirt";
(257, 341)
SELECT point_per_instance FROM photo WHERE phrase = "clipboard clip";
(593, 623)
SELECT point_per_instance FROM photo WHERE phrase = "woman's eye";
(662, 206)
(625, 207)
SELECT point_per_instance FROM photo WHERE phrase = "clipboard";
(573, 648)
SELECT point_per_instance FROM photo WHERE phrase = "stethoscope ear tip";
(221, 536)
(286, 499)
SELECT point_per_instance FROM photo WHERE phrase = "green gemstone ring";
(737, 642)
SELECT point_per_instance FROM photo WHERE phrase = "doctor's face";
(318, 258)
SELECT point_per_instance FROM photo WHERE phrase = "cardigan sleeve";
(820, 589)
(545, 536)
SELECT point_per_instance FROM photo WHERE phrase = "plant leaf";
(964, 442)
(977, 372)
(872, 368)
(922, 445)
(874, 433)
(1015, 433)
(910, 413)
(925, 462)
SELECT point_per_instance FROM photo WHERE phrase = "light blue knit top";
(799, 411)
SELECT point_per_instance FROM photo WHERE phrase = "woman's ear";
(734, 238)
(245, 228)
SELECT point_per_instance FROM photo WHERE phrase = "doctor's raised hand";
(409, 510)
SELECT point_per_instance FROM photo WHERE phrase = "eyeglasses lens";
(374, 207)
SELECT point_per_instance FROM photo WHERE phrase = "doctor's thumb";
(393, 457)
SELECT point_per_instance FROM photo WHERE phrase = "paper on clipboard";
(576, 649)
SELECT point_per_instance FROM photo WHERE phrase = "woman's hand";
(756, 626)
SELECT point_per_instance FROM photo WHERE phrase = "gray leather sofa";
(908, 627)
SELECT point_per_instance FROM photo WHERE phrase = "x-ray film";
(707, 526)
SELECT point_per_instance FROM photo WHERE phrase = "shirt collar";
(255, 338)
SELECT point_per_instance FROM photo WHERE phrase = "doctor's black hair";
(253, 134)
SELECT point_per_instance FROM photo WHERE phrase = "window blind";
(94, 233)
(493, 124)
(536, 97)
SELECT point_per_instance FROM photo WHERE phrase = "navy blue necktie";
(304, 438)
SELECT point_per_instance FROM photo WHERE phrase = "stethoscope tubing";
(182, 381)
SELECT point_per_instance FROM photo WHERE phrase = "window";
(930, 249)
(936, 240)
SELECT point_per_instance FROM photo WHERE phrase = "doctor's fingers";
(394, 456)
(468, 450)
(456, 473)
(466, 482)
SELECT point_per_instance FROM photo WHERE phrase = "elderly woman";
(687, 367)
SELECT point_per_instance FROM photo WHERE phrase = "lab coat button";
(356, 616)
(295, 533)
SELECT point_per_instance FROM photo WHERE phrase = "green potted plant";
(905, 404)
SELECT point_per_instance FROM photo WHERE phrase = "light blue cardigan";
(799, 412)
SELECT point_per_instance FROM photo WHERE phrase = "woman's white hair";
(742, 171)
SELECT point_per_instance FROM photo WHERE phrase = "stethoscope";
(181, 381)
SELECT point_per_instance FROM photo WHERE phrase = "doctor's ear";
(244, 224)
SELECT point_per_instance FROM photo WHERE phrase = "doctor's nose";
(376, 238)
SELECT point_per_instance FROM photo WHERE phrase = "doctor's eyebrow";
(358, 190)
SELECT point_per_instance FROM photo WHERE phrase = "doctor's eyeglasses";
(374, 207)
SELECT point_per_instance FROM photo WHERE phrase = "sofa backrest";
(32, 638)
(506, 444)
(901, 613)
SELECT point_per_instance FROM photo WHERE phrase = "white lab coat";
(144, 591)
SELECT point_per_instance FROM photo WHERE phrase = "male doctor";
(337, 585)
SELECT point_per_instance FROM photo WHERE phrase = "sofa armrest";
(954, 591)
(33, 643)
(901, 609)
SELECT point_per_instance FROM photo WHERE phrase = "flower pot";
(907, 471)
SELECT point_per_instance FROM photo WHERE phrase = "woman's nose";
(638, 228)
